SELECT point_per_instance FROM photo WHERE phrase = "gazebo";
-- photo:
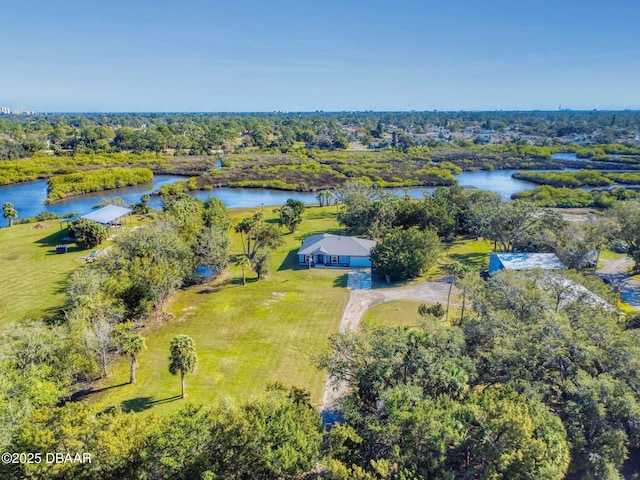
(110, 215)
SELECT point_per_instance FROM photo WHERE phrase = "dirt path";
(362, 300)
(615, 272)
(615, 265)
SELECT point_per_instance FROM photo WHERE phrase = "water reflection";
(28, 198)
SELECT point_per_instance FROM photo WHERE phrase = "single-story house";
(330, 250)
(523, 261)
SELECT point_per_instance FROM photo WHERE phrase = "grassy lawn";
(397, 312)
(470, 252)
(246, 336)
(610, 254)
(403, 313)
(32, 275)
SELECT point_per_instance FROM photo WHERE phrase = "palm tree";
(9, 212)
(243, 261)
(182, 358)
(130, 343)
(457, 271)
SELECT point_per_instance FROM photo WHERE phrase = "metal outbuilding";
(523, 261)
(109, 215)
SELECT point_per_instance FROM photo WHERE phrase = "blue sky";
(85, 55)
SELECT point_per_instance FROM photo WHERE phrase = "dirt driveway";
(615, 272)
(362, 300)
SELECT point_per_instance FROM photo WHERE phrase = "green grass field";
(470, 252)
(397, 312)
(610, 254)
(32, 275)
(246, 336)
(404, 313)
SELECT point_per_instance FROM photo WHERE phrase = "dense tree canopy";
(410, 411)
(405, 254)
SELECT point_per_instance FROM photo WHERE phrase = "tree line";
(199, 134)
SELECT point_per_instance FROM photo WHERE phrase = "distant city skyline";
(285, 55)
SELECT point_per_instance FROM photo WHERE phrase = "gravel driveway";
(615, 272)
(362, 300)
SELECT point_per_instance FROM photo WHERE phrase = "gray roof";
(529, 261)
(573, 292)
(328, 244)
(103, 215)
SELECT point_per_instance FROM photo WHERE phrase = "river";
(28, 198)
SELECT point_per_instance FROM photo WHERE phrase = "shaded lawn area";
(470, 252)
(246, 336)
(32, 275)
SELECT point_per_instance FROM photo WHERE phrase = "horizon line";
(287, 112)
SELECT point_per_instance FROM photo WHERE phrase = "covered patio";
(111, 216)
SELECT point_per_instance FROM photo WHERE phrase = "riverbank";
(73, 184)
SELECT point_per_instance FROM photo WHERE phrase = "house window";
(334, 259)
(307, 258)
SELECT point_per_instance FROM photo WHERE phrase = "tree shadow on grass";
(207, 290)
(341, 281)
(82, 394)
(291, 262)
(229, 282)
(53, 239)
(139, 404)
(471, 259)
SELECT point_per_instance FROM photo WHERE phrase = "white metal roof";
(529, 261)
(104, 215)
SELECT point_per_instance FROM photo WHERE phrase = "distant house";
(523, 261)
(335, 251)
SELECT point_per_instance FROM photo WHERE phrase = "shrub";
(88, 234)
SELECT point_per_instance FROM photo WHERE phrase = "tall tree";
(628, 216)
(405, 253)
(255, 234)
(572, 354)
(243, 261)
(9, 212)
(185, 213)
(324, 197)
(182, 358)
(211, 247)
(129, 343)
(215, 214)
(291, 214)
(457, 271)
(98, 338)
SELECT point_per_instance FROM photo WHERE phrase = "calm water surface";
(28, 198)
